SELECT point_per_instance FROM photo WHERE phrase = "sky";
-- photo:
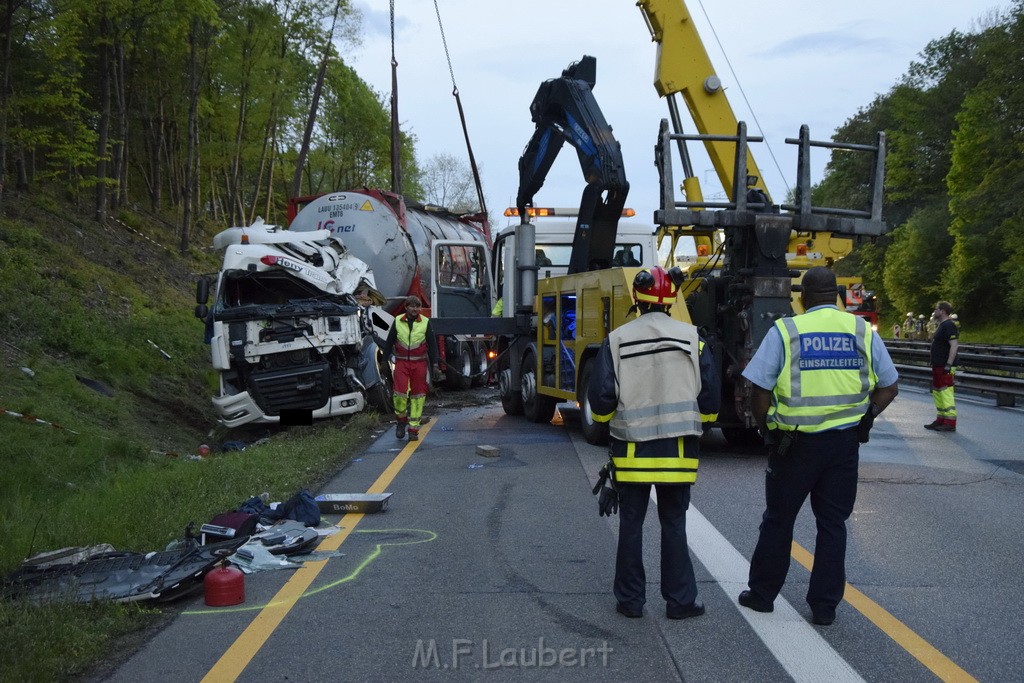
(783, 64)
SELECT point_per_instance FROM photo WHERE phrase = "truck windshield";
(557, 255)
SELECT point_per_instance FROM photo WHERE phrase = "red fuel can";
(224, 586)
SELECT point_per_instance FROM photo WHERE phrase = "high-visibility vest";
(826, 376)
(411, 338)
(656, 357)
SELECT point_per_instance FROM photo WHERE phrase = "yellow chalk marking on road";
(373, 555)
(233, 662)
(938, 663)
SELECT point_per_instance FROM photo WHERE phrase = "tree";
(916, 259)
(986, 179)
(448, 182)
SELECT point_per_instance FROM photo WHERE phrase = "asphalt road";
(499, 568)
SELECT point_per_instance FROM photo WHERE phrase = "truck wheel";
(511, 399)
(479, 365)
(459, 374)
(536, 407)
(595, 433)
(378, 397)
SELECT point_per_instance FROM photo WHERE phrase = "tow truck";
(755, 250)
(758, 249)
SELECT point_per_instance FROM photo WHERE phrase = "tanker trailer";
(414, 249)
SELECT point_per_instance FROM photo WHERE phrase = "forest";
(198, 109)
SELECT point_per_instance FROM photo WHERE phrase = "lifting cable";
(739, 85)
(462, 114)
(396, 161)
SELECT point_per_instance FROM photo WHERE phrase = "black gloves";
(866, 423)
(608, 501)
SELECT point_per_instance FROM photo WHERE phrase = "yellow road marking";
(938, 663)
(233, 662)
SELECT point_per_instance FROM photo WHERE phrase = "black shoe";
(751, 601)
(400, 430)
(414, 435)
(933, 425)
(694, 610)
(944, 427)
(627, 611)
(823, 617)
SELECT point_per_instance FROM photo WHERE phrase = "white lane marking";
(800, 649)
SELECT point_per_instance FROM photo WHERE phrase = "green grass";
(79, 305)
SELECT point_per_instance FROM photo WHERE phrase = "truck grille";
(306, 388)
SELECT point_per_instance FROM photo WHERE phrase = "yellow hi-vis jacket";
(411, 338)
(826, 376)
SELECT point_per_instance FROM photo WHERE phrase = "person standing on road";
(655, 383)
(819, 379)
(413, 342)
(943, 355)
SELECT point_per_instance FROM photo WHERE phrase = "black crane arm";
(564, 109)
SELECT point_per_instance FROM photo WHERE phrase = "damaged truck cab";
(288, 339)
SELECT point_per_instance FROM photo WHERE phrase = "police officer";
(413, 342)
(819, 380)
(655, 383)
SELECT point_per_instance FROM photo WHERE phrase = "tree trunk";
(313, 105)
(262, 166)
(193, 138)
(103, 126)
(121, 149)
(5, 83)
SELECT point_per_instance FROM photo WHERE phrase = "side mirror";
(202, 311)
(202, 291)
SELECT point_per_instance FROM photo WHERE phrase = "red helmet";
(654, 286)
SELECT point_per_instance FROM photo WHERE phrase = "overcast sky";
(793, 61)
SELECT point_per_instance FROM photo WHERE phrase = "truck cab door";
(461, 286)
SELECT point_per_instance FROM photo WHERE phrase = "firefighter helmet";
(654, 286)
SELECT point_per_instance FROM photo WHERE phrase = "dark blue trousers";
(678, 585)
(824, 466)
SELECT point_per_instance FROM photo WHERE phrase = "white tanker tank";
(403, 244)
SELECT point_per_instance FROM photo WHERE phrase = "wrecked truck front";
(289, 345)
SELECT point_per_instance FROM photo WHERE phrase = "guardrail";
(985, 368)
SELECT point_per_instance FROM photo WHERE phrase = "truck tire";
(536, 407)
(479, 365)
(595, 433)
(379, 398)
(459, 374)
(511, 399)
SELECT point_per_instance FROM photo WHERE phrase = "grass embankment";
(101, 456)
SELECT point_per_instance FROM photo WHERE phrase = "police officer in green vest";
(655, 383)
(819, 380)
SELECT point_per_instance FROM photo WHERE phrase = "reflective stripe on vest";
(411, 339)
(655, 356)
(826, 375)
(677, 469)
